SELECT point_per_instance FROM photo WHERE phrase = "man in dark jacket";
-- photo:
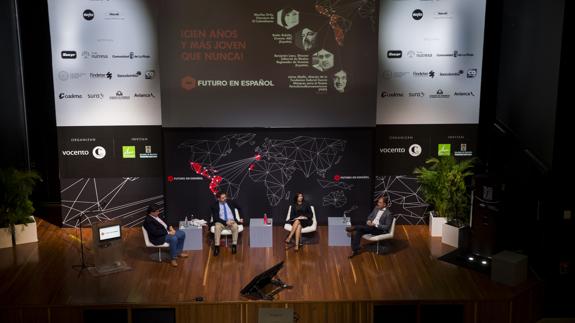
(159, 233)
(378, 222)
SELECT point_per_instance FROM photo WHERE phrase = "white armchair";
(149, 244)
(381, 237)
(228, 232)
(311, 228)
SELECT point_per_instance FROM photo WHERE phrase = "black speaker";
(486, 216)
(484, 228)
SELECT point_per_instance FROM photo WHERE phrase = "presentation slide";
(105, 62)
(430, 58)
(261, 63)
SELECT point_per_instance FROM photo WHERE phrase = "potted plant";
(443, 186)
(17, 224)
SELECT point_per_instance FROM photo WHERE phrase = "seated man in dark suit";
(159, 233)
(223, 216)
(378, 222)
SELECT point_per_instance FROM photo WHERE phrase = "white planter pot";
(5, 238)
(26, 233)
(436, 225)
(450, 235)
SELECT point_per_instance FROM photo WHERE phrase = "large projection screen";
(258, 63)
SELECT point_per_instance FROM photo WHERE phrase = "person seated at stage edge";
(301, 216)
(159, 233)
(378, 222)
(223, 217)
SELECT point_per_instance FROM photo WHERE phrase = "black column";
(13, 130)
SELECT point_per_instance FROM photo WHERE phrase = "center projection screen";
(256, 63)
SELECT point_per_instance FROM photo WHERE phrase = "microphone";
(346, 212)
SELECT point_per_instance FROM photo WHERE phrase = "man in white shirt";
(378, 222)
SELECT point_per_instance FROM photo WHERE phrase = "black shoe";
(216, 250)
(234, 249)
(353, 254)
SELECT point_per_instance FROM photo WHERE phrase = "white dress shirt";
(161, 222)
(378, 217)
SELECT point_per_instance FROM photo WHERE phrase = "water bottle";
(265, 218)
(186, 222)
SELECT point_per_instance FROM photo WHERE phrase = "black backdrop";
(261, 169)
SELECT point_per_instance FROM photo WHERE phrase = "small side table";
(261, 234)
(337, 236)
(194, 236)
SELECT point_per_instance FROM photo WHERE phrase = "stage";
(40, 277)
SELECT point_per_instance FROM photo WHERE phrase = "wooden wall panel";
(231, 313)
(493, 312)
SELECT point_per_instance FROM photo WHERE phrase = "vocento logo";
(415, 150)
(392, 150)
(128, 151)
(99, 152)
(75, 152)
(443, 149)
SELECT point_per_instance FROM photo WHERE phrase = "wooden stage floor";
(42, 274)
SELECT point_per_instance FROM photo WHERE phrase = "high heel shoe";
(287, 244)
(298, 246)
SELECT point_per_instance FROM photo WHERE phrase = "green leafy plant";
(15, 189)
(443, 186)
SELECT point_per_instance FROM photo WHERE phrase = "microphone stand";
(82, 266)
